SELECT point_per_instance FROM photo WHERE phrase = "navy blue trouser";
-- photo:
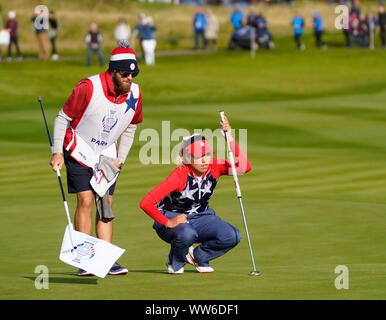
(215, 235)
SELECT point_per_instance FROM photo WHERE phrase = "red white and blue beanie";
(123, 59)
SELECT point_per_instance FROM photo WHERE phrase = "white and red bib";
(101, 124)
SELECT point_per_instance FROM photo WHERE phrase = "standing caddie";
(102, 109)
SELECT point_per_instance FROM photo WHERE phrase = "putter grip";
(222, 115)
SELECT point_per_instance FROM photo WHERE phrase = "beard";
(120, 86)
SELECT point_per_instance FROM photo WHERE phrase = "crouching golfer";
(100, 110)
(183, 216)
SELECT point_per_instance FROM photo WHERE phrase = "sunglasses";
(126, 74)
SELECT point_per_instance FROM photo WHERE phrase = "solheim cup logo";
(109, 121)
(84, 250)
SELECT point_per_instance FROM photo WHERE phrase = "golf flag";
(88, 253)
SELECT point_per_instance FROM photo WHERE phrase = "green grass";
(314, 199)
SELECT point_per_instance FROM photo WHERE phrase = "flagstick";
(58, 174)
(66, 207)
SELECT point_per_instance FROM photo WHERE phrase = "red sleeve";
(242, 163)
(78, 101)
(138, 111)
(176, 181)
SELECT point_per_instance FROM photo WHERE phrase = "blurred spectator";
(199, 25)
(363, 31)
(371, 22)
(53, 33)
(260, 20)
(353, 30)
(254, 19)
(251, 18)
(148, 40)
(94, 41)
(4, 37)
(263, 35)
(12, 26)
(355, 8)
(298, 25)
(317, 21)
(122, 31)
(382, 24)
(358, 31)
(212, 29)
(237, 18)
(40, 32)
(137, 32)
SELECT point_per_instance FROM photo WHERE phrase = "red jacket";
(182, 192)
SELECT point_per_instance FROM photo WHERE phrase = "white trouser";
(148, 48)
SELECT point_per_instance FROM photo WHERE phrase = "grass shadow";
(77, 280)
(157, 271)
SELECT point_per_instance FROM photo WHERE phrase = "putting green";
(314, 199)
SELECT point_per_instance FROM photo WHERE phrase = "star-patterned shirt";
(183, 192)
(80, 98)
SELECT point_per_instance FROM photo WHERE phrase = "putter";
(57, 171)
(254, 272)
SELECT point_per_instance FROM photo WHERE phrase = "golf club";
(57, 169)
(254, 272)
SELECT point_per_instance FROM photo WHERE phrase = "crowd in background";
(361, 30)
(9, 35)
(361, 27)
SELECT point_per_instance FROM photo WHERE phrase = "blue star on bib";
(131, 103)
